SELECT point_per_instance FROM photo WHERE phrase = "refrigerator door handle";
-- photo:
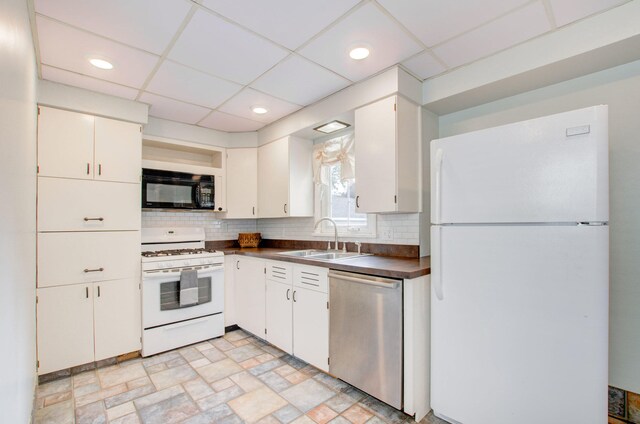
(438, 185)
(436, 261)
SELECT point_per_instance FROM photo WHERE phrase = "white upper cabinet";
(242, 183)
(285, 178)
(76, 145)
(388, 174)
(118, 151)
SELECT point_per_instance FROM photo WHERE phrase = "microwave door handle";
(197, 189)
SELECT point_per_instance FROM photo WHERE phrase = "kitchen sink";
(323, 255)
(302, 253)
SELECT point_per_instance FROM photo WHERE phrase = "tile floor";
(232, 379)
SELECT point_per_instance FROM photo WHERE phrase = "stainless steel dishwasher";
(365, 334)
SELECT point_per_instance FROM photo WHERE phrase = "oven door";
(161, 295)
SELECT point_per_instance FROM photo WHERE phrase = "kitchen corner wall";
(391, 229)
(18, 115)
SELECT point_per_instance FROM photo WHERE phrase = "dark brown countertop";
(383, 266)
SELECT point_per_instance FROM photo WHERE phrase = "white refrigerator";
(520, 272)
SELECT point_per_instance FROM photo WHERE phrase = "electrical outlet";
(387, 234)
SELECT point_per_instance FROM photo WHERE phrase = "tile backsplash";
(391, 229)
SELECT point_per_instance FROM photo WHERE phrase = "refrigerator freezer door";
(520, 335)
(550, 169)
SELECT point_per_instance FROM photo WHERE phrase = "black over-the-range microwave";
(177, 190)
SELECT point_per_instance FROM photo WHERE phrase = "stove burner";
(176, 252)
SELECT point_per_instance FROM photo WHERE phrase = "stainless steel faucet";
(335, 230)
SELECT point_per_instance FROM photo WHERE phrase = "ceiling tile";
(186, 84)
(299, 81)
(424, 65)
(162, 107)
(389, 44)
(241, 104)
(497, 35)
(230, 123)
(146, 24)
(218, 47)
(287, 22)
(88, 83)
(68, 48)
(567, 11)
(434, 21)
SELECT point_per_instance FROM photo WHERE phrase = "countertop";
(383, 266)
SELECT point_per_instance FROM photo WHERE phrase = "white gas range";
(182, 289)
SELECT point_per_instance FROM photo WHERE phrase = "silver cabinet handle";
(288, 290)
(237, 264)
(99, 169)
(285, 208)
(98, 291)
(253, 211)
(357, 201)
(86, 290)
(294, 296)
(94, 270)
(93, 219)
(88, 167)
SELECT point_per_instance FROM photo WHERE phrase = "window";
(336, 199)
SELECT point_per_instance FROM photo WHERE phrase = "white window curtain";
(337, 150)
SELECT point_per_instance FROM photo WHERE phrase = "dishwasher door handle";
(378, 282)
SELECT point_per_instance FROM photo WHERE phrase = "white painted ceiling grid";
(207, 62)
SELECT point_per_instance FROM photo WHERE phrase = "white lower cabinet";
(82, 323)
(297, 316)
(116, 317)
(311, 327)
(64, 327)
(250, 294)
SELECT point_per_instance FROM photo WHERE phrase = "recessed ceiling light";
(101, 63)
(259, 110)
(332, 126)
(359, 53)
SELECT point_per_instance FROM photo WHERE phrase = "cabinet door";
(376, 172)
(117, 317)
(279, 316)
(77, 205)
(273, 179)
(65, 144)
(118, 150)
(84, 257)
(311, 327)
(230, 291)
(242, 183)
(250, 295)
(64, 327)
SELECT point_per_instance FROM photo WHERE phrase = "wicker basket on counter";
(249, 239)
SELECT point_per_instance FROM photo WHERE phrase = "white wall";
(17, 213)
(618, 87)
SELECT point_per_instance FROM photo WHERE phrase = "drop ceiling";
(209, 62)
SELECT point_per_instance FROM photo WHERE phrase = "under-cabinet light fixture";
(332, 126)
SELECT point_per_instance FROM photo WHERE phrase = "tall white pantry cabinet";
(88, 242)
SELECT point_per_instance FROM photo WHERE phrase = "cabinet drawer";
(79, 205)
(279, 271)
(82, 257)
(311, 277)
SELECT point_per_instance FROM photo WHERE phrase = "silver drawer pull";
(94, 270)
(93, 219)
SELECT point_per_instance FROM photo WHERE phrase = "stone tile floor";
(232, 379)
